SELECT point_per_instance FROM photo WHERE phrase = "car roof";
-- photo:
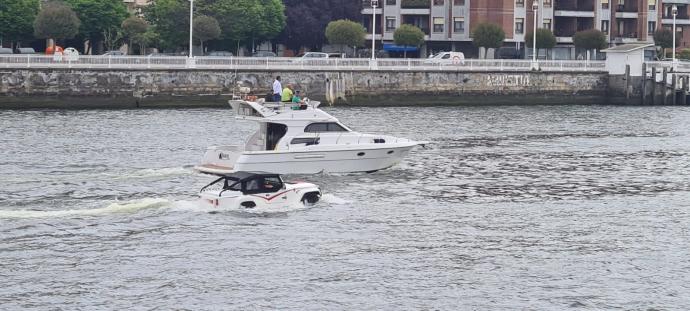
(242, 175)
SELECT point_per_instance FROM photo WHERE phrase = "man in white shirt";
(277, 90)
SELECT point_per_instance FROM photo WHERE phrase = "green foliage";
(412, 4)
(56, 20)
(545, 39)
(346, 32)
(171, 20)
(16, 19)
(488, 36)
(97, 16)
(664, 38)
(306, 20)
(134, 28)
(684, 54)
(592, 39)
(205, 28)
(408, 35)
(246, 19)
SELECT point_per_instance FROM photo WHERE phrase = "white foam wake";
(332, 199)
(114, 208)
(155, 172)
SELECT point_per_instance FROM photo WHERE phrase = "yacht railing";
(287, 63)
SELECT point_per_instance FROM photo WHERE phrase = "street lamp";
(374, 4)
(191, 25)
(674, 11)
(535, 7)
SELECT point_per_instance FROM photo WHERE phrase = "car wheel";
(311, 198)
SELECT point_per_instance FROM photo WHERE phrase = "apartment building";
(448, 24)
(665, 14)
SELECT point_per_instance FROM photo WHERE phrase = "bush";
(545, 39)
(592, 39)
(346, 32)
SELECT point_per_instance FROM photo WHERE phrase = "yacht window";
(308, 141)
(324, 127)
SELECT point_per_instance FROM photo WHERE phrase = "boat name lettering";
(223, 156)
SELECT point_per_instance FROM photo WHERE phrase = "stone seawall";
(77, 88)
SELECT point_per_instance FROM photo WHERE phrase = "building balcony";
(575, 6)
(568, 13)
(630, 7)
(369, 11)
(626, 39)
(627, 15)
(415, 4)
(564, 39)
(679, 21)
(676, 1)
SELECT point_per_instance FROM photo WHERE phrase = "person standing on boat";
(287, 94)
(277, 89)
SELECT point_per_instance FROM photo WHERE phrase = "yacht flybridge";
(302, 140)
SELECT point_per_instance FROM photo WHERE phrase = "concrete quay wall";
(82, 88)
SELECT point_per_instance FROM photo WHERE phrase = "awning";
(399, 48)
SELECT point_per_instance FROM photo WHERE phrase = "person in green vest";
(287, 94)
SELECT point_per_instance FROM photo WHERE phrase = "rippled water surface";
(535, 207)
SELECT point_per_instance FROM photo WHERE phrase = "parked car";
(220, 54)
(26, 51)
(6, 51)
(310, 55)
(264, 54)
(337, 55)
(508, 53)
(114, 53)
(446, 58)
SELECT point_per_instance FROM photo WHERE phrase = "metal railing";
(286, 63)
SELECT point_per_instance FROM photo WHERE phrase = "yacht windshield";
(324, 127)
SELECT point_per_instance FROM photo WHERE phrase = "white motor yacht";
(302, 139)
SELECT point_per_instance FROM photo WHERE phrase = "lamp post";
(374, 4)
(674, 12)
(190, 60)
(535, 7)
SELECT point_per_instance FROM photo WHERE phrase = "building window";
(651, 26)
(604, 4)
(459, 2)
(390, 2)
(438, 24)
(621, 3)
(519, 3)
(390, 23)
(438, 2)
(547, 23)
(621, 25)
(652, 5)
(605, 26)
(547, 3)
(459, 24)
(519, 25)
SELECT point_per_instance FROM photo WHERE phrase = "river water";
(509, 207)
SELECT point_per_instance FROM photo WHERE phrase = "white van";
(447, 58)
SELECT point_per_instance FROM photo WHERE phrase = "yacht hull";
(220, 160)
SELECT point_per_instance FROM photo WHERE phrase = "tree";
(16, 19)
(346, 32)
(664, 38)
(592, 39)
(307, 19)
(111, 38)
(246, 20)
(488, 36)
(56, 21)
(133, 28)
(97, 16)
(545, 39)
(408, 35)
(171, 20)
(205, 28)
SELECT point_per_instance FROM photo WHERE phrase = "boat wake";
(155, 172)
(114, 208)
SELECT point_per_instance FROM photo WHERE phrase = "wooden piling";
(627, 84)
(653, 85)
(686, 85)
(664, 86)
(644, 83)
(674, 89)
